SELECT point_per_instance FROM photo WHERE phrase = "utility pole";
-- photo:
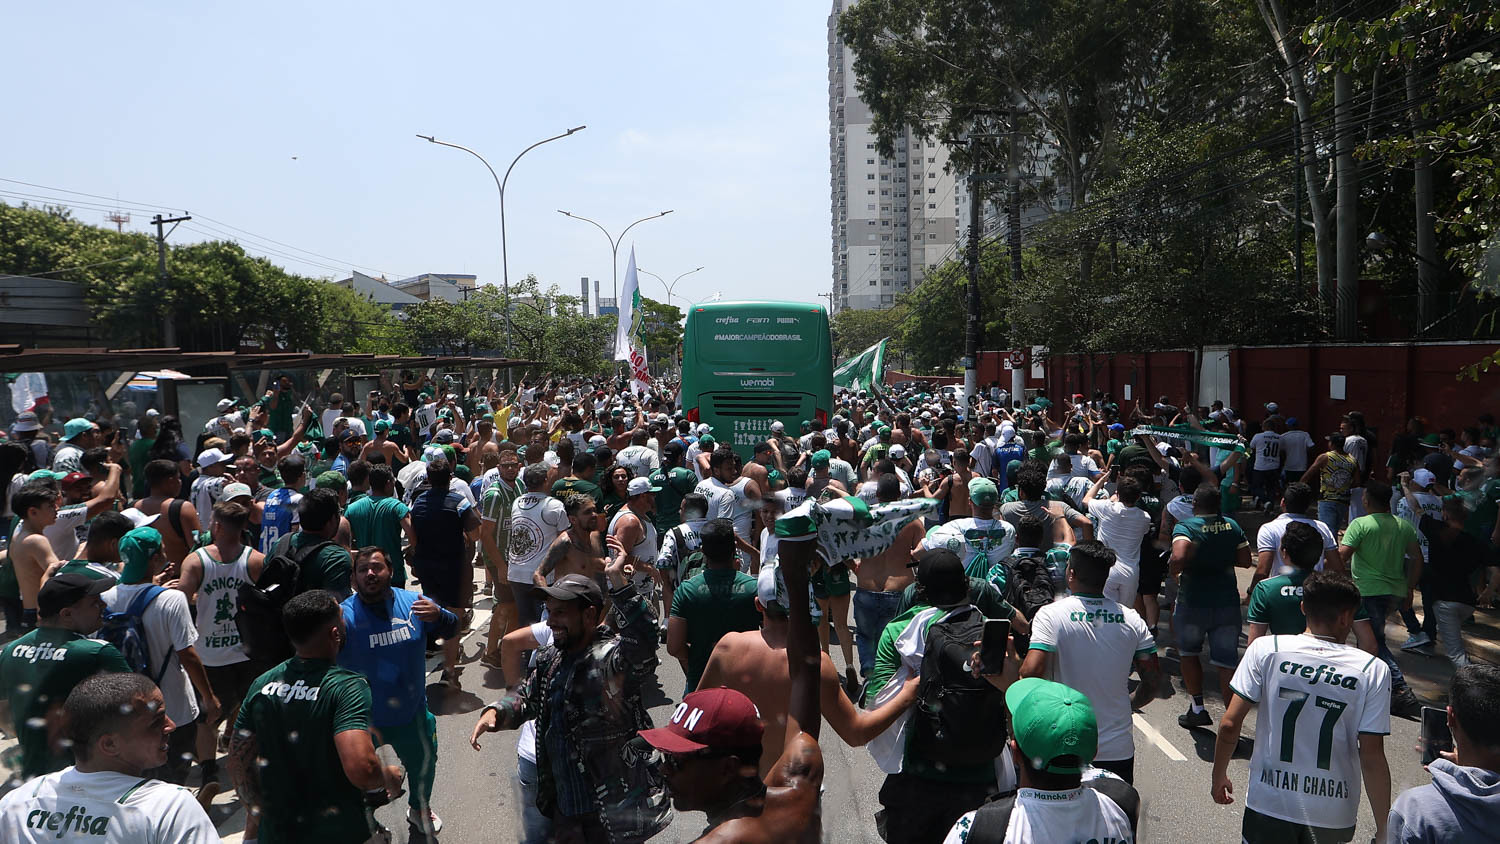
(1427, 264)
(1013, 235)
(1346, 300)
(971, 326)
(169, 325)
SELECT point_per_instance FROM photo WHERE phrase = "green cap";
(424, 396)
(76, 426)
(885, 433)
(451, 453)
(1050, 722)
(382, 426)
(137, 548)
(821, 457)
(983, 491)
(331, 480)
(706, 442)
(45, 475)
(265, 434)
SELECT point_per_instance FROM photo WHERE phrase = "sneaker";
(1405, 704)
(428, 826)
(1416, 641)
(491, 659)
(450, 678)
(1191, 719)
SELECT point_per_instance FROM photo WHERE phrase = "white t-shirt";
(1093, 642)
(1180, 508)
(1266, 446)
(1356, 447)
(679, 542)
(106, 807)
(535, 520)
(1271, 533)
(169, 629)
(1431, 506)
(206, 490)
(1294, 448)
(526, 738)
(640, 459)
(979, 543)
(1084, 466)
(1121, 527)
(1316, 697)
(69, 531)
(1042, 817)
(329, 416)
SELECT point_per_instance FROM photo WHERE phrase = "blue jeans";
(1334, 514)
(1377, 607)
(872, 612)
(536, 828)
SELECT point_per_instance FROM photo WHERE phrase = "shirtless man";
(755, 663)
(954, 487)
(633, 528)
(880, 580)
(30, 553)
(162, 483)
(821, 482)
(725, 784)
(576, 550)
(383, 445)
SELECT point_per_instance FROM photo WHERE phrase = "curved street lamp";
(614, 243)
(500, 185)
(663, 281)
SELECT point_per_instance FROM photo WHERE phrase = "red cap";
(718, 717)
(74, 477)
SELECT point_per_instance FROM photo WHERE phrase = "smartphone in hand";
(993, 646)
(1435, 733)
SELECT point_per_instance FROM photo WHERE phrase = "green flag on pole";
(863, 371)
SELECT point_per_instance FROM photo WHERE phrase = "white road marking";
(1156, 738)
(435, 662)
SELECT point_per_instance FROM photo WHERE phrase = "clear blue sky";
(717, 111)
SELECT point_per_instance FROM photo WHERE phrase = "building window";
(869, 146)
(870, 207)
(932, 190)
(888, 237)
(870, 192)
(931, 160)
(932, 205)
(885, 222)
(870, 176)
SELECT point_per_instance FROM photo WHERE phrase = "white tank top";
(218, 638)
(645, 549)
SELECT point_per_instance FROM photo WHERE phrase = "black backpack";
(1029, 589)
(959, 719)
(258, 605)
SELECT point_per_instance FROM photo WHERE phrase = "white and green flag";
(863, 371)
(850, 527)
(630, 338)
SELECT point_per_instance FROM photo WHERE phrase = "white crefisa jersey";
(1315, 700)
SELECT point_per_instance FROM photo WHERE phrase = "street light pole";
(500, 185)
(614, 243)
(670, 287)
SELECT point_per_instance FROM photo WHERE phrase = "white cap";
(139, 519)
(225, 404)
(778, 426)
(1423, 478)
(233, 491)
(597, 440)
(637, 486)
(213, 457)
(898, 451)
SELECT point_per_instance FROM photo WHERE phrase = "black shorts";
(444, 587)
(231, 683)
(1153, 570)
(1264, 829)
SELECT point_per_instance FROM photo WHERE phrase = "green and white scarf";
(1196, 436)
(849, 527)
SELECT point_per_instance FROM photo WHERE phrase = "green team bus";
(748, 364)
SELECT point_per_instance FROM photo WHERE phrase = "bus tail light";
(821, 417)
(692, 415)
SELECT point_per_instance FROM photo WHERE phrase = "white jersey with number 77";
(1315, 698)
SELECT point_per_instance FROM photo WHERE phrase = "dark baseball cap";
(66, 589)
(710, 718)
(942, 577)
(572, 587)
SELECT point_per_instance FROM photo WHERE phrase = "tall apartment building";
(893, 219)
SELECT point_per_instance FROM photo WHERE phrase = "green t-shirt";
(36, 673)
(1379, 541)
(1208, 577)
(676, 483)
(294, 710)
(1484, 506)
(280, 416)
(270, 478)
(377, 521)
(1277, 603)
(137, 456)
(328, 569)
(575, 486)
(712, 603)
(401, 436)
(495, 506)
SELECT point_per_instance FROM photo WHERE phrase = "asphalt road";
(478, 799)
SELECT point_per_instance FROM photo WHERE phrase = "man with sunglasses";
(711, 748)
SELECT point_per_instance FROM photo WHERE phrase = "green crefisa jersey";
(1208, 578)
(36, 673)
(1277, 603)
(294, 711)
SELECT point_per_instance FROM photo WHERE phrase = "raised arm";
(803, 656)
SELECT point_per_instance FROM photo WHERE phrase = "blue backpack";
(127, 632)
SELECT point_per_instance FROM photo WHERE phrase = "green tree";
(856, 330)
(663, 329)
